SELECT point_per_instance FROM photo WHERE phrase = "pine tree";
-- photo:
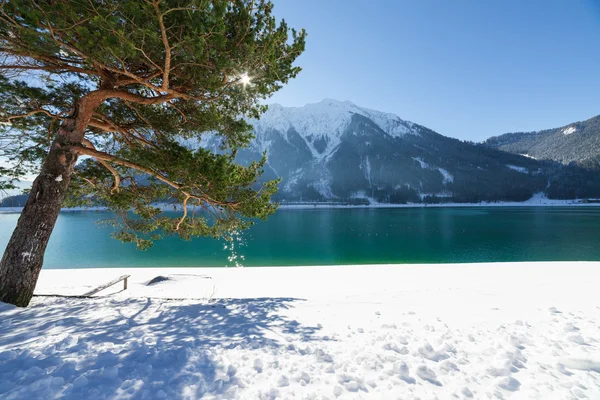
(108, 101)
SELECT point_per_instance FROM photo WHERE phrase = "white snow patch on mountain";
(448, 178)
(522, 170)
(261, 144)
(389, 123)
(323, 186)
(422, 163)
(293, 179)
(569, 130)
(367, 169)
(362, 195)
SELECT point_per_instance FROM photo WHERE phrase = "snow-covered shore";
(537, 200)
(512, 331)
(550, 203)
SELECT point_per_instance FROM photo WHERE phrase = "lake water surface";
(346, 236)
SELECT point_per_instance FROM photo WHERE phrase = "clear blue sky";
(465, 68)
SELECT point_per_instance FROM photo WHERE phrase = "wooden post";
(125, 283)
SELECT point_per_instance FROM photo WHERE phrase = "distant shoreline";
(557, 203)
(316, 205)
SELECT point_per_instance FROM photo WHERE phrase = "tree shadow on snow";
(138, 348)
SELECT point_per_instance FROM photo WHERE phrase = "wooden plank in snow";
(113, 282)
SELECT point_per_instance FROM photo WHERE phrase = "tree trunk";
(24, 254)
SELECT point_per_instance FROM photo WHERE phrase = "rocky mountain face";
(338, 151)
(578, 142)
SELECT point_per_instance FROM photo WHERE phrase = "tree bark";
(24, 255)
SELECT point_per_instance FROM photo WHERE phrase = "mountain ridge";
(577, 142)
(338, 151)
(326, 121)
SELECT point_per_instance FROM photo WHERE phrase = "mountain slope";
(578, 142)
(338, 151)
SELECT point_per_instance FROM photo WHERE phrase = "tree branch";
(50, 68)
(109, 167)
(185, 211)
(134, 98)
(99, 155)
(107, 125)
(165, 40)
(30, 113)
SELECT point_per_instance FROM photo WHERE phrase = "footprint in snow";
(401, 370)
(394, 347)
(509, 383)
(258, 365)
(302, 377)
(448, 366)
(577, 339)
(283, 381)
(429, 353)
(428, 375)
(402, 340)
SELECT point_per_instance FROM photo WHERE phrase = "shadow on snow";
(135, 348)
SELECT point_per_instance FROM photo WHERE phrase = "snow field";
(498, 331)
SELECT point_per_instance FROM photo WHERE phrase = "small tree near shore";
(107, 101)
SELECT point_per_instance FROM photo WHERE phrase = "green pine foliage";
(167, 71)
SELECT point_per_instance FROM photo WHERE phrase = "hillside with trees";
(578, 142)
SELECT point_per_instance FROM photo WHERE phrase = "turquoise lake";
(346, 236)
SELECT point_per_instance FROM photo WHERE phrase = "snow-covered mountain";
(338, 151)
(322, 125)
